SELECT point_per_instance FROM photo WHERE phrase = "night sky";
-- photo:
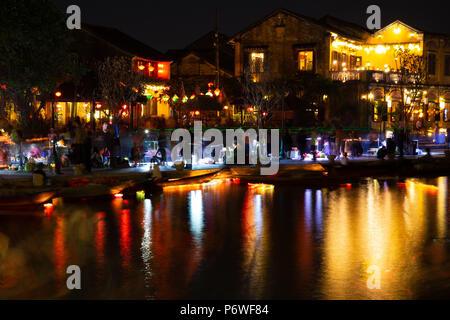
(165, 24)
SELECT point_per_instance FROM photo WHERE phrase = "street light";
(58, 94)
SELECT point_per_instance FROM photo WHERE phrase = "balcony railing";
(344, 76)
(370, 76)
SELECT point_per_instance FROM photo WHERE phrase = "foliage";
(264, 94)
(311, 87)
(119, 84)
(413, 72)
(195, 87)
(33, 43)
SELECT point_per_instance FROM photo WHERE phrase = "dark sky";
(168, 24)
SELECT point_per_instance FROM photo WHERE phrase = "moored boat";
(24, 198)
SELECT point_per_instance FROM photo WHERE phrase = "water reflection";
(228, 240)
(255, 240)
(100, 239)
(196, 214)
(146, 250)
(59, 252)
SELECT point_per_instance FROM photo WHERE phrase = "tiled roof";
(125, 42)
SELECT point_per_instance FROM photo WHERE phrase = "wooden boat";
(24, 198)
(196, 176)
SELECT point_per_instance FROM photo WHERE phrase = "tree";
(193, 88)
(413, 77)
(263, 94)
(119, 84)
(34, 56)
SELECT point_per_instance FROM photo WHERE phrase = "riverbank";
(291, 171)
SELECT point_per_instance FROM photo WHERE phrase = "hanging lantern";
(217, 92)
(197, 113)
(175, 98)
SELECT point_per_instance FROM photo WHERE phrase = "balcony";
(344, 76)
(370, 76)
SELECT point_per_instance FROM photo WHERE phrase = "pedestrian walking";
(313, 143)
(301, 142)
(87, 150)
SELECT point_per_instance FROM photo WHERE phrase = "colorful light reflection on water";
(233, 240)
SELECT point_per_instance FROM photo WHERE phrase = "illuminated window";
(432, 63)
(335, 61)
(306, 60)
(257, 62)
(447, 65)
(342, 62)
(355, 62)
(376, 117)
(154, 106)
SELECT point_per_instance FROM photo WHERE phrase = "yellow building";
(375, 61)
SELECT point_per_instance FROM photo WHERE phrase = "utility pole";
(216, 44)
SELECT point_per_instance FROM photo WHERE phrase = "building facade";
(93, 44)
(284, 43)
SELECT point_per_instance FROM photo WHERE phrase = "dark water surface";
(235, 241)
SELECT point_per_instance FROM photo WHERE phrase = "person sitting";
(382, 152)
(136, 155)
(344, 159)
(39, 175)
(96, 159)
(390, 146)
(105, 154)
(160, 156)
(428, 156)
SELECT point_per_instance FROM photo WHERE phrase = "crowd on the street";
(83, 147)
(313, 144)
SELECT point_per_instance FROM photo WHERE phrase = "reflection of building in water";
(196, 215)
(59, 253)
(256, 238)
(373, 229)
(146, 252)
(100, 238)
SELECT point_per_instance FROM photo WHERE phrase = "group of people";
(82, 151)
(332, 143)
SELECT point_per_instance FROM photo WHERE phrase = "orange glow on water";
(59, 252)
(100, 239)
(125, 238)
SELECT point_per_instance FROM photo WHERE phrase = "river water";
(376, 239)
